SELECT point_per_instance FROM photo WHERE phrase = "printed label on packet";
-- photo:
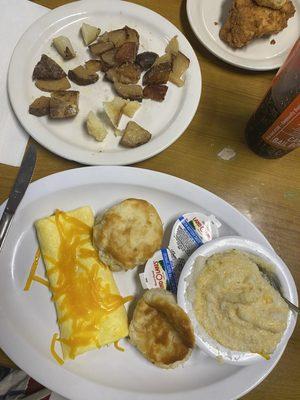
(189, 232)
(159, 272)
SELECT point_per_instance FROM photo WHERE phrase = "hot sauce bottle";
(274, 128)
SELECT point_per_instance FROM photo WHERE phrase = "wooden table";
(266, 191)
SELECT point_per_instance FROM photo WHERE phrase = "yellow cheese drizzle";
(84, 299)
(32, 277)
(55, 338)
(265, 356)
(118, 347)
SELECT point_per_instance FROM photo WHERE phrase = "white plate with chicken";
(252, 34)
(133, 100)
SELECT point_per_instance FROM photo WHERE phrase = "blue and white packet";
(189, 232)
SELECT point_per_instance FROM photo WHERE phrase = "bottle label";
(284, 133)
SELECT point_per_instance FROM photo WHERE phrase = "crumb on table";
(216, 23)
(273, 41)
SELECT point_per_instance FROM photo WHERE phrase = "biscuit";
(128, 234)
(161, 330)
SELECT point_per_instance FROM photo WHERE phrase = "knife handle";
(4, 225)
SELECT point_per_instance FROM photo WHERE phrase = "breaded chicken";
(247, 21)
(161, 330)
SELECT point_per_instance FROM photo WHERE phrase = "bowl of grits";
(238, 317)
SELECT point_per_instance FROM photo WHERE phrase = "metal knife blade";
(21, 183)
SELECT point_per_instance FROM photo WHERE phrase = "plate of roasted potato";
(103, 82)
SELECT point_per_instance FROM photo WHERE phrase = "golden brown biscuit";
(128, 234)
(161, 330)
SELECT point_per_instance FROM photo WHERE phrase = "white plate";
(28, 319)
(258, 55)
(204, 341)
(68, 138)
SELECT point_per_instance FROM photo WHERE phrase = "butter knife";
(16, 195)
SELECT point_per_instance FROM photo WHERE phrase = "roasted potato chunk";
(64, 104)
(165, 58)
(114, 110)
(89, 33)
(117, 37)
(120, 36)
(131, 108)
(132, 36)
(155, 92)
(40, 106)
(180, 65)
(52, 85)
(131, 92)
(64, 47)
(126, 53)
(100, 47)
(108, 59)
(125, 73)
(146, 60)
(173, 45)
(93, 66)
(47, 69)
(95, 127)
(82, 76)
(158, 74)
(104, 37)
(134, 135)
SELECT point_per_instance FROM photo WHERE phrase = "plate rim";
(136, 176)
(92, 157)
(241, 64)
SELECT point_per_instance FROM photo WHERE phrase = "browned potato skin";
(134, 135)
(108, 60)
(101, 47)
(40, 106)
(120, 36)
(126, 53)
(82, 76)
(155, 92)
(132, 35)
(158, 74)
(131, 92)
(52, 85)
(48, 69)
(146, 59)
(125, 73)
(64, 104)
(180, 65)
(93, 66)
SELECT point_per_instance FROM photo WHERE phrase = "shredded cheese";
(84, 298)
(118, 347)
(55, 338)
(32, 277)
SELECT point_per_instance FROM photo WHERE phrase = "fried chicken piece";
(247, 21)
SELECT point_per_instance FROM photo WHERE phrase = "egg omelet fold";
(90, 310)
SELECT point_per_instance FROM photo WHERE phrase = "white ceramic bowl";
(203, 340)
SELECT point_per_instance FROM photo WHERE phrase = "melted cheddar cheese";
(89, 307)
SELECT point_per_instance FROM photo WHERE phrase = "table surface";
(266, 191)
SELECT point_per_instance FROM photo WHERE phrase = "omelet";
(90, 309)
